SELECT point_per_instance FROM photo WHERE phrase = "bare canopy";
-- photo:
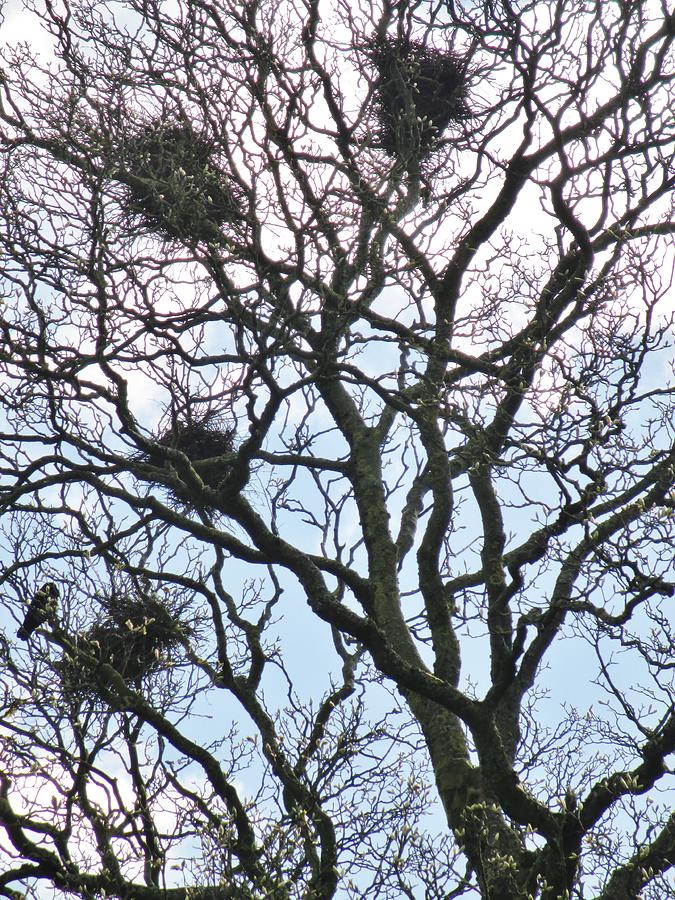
(336, 407)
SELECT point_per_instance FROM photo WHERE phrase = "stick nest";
(419, 91)
(175, 187)
(204, 442)
(138, 636)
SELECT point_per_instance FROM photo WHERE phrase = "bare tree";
(337, 412)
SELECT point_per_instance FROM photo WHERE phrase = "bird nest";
(175, 187)
(419, 92)
(204, 442)
(139, 636)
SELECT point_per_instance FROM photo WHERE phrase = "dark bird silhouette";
(41, 607)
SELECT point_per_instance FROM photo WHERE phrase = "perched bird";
(41, 607)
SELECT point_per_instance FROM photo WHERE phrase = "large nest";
(206, 444)
(420, 91)
(175, 187)
(138, 636)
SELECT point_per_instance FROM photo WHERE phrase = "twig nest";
(420, 91)
(174, 185)
(204, 442)
(137, 637)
